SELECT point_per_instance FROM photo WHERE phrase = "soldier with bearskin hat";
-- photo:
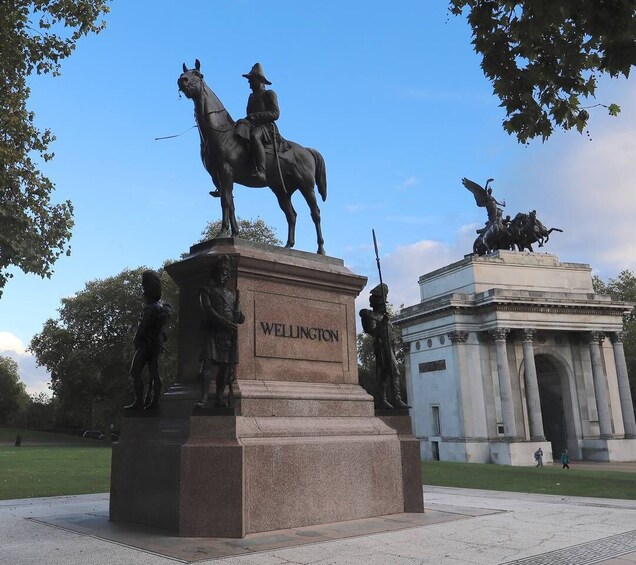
(377, 324)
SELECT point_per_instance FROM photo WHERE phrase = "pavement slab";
(460, 526)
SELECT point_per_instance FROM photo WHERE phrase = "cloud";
(407, 263)
(402, 268)
(587, 189)
(36, 379)
(9, 342)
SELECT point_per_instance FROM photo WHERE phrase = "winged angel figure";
(484, 198)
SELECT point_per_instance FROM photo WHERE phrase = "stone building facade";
(513, 351)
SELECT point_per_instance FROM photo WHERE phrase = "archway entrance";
(552, 390)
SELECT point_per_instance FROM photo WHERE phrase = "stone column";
(505, 386)
(532, 387)
(464, 407)
(624, 392)
(601, 390)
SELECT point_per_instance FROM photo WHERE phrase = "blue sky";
(391, 94)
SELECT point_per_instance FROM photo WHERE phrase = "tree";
(253, 230)
(623, 288)
(13, 395)
(88, 350)
(34, 37)
(39, 412)
(543, 57)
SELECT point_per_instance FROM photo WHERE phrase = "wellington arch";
(512, 351)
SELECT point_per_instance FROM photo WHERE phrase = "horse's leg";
(232, 214)
(285, 203)
(228, 218)
(307, 190)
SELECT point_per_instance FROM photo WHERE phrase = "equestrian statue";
(251, 152)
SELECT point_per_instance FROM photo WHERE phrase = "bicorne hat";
(257, 71)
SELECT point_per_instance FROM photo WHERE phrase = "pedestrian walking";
(565, 459)
(538, 457)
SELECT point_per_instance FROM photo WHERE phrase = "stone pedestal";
(410, 458)
(301, 445)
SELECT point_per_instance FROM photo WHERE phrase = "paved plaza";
(459, 526)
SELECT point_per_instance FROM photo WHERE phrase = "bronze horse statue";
(494, 236)
(527, 229)
(227, 158)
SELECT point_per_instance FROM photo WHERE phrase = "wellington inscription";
(300, 332)
(291, 327)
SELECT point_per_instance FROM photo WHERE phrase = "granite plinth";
(410, 458)
(299, 312)
(299, 457)
(301, 444)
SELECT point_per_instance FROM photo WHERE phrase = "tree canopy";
(252, 230)
(13, 394)
(544, 58)
(34, 37)
(623, 288)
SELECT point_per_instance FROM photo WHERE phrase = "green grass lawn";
(542, 480)
(9, 435)
(34, 471)
(84, 467)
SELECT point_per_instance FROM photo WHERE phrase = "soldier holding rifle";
(377, 324)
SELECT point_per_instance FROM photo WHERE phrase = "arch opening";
(555, 402)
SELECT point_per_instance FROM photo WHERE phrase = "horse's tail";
(321, 173)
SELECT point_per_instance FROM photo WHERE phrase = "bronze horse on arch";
(227, 158)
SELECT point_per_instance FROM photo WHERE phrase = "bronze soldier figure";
(221, 316)
(262, 112)
(148, 345)
(376, 323)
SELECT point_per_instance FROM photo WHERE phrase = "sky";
(391, 94)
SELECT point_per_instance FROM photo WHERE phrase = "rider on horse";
(262, 111)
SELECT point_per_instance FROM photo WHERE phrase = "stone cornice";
(498, 302)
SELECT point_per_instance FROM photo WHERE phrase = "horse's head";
(191, 80)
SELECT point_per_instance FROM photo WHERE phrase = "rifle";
(377, 260)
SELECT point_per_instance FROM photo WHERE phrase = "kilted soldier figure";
(376, 323)
(221, 316)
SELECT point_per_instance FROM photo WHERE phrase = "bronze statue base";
(301, 445)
